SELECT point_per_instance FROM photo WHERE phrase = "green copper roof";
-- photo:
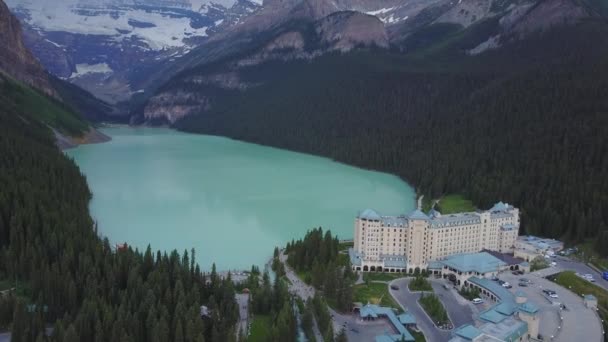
(528, 307)
(369, 214)
(418, 215)
(467, 331)
(474, 262)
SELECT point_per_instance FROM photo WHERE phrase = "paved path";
(458, 308)
(409, 301)
(300, 289)
(242, 300)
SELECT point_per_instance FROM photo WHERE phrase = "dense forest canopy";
(67, 277)
(526, 124)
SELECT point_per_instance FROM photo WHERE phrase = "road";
(302, 290)
(579, 267)
(459, 313)
(242, 300)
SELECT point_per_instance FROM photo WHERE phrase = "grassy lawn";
(580, 286)
(382, 276)
(434, 308)
(417, 335)
(587, 253)
(260, 329)
(420, 284)
(375, 293)
(304, 276)
(343, 246)
(454, 204)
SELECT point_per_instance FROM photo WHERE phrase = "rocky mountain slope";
(306, 29)
(109, 46)
(15, 59)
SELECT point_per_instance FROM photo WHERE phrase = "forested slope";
(65, 276)
(526, 124)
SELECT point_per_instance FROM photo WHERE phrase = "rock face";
(15, 59)
(168, 107)
(343, 31)
(109, 47)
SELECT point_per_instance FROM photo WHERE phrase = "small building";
(408, 320)
(590, 301)
(373, 312)
(538, 245)
(458, 268)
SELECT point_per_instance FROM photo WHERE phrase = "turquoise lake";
(231, 201)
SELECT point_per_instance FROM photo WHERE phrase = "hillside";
(525, 123)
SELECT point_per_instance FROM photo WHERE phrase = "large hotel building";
(408, 242)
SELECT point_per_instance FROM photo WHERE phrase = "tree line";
(68, 278)
(526, 124)
(317, 256)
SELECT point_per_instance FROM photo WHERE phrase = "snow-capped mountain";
(105, 46)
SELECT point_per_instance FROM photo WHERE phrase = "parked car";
(523, 284)
(446, 286)
(524, 280)
(495, 278)
(395, 287)
(506, 285)
(501, 282)
(477, 301)
(553, 295)
(553, 263)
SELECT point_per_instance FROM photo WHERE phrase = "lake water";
(231, 201)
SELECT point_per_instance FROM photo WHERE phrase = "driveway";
(459, 313)
(458, 308)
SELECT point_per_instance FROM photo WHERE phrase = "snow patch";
(57, 45)
(381, 11)
(85, 69)
(169, 30)
(219, 22)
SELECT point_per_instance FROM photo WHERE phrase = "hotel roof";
(369, 214)
(418, 215)
(468, 332)
(528, 307)
(482, 262)
(407, 318)
(508, 330)
(492, 286)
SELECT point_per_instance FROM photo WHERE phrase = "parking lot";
(571, 324)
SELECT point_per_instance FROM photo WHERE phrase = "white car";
(553, 295)
(588, 276)
(506, 284)
(477, 301)
(554, 264)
